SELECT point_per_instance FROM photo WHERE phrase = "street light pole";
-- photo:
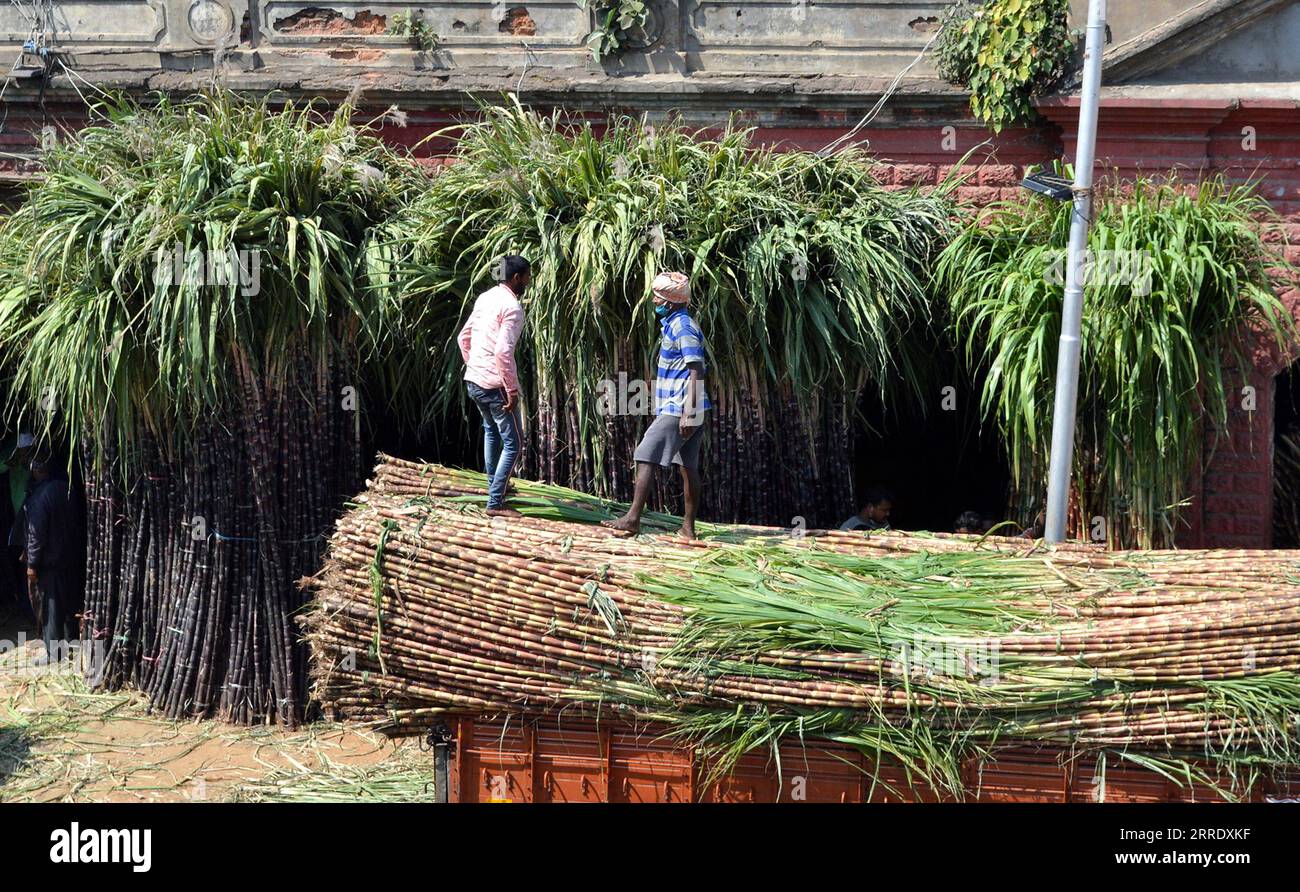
(1067, 362)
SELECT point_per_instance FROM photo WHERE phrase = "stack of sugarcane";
(924, 648)
(1175, 273)
(192, 567)
(808, 282)
(182, 298)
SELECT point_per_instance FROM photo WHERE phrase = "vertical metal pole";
(441, 772)
(1067, 363)
(443, 743)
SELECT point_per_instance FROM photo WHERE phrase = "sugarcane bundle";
(1174, 274)
(924, 648)
(808, 281)
(192, 564)
(181, 298)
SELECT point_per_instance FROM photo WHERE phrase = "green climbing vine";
(616, 23)
(412, 24)
(1005, 52)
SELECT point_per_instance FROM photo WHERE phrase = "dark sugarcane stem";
(263, 469)
(212, 641)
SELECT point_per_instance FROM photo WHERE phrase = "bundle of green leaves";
(1172, 276)
(1005, 52)
(166, 238)
(616, 25)
(807, 275)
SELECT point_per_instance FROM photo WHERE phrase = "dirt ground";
(60, 741)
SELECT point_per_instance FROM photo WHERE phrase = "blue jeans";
(501, 439)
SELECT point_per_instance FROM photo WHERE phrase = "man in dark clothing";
(877, 504)
(52, 554)
(14, 462)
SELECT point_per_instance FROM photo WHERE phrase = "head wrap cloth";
(672, 287)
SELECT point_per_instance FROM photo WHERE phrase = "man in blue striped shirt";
(674, 437)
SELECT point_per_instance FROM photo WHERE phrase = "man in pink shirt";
(487, 344)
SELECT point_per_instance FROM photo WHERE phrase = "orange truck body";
(555, 758)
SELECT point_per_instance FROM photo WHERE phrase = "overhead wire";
(870, 116)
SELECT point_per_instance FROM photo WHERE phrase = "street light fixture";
(1052, 185)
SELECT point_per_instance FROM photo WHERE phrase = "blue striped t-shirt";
(682, 343)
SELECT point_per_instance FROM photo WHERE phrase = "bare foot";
(624, 525)
(687, 532)
(503, 512)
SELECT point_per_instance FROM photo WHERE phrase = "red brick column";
(1237, 504)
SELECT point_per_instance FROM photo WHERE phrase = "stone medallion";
(210, 20)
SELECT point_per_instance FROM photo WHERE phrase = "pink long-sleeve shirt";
(487, 342)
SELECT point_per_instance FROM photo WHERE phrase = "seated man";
(874, 513)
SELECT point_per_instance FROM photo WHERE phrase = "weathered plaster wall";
(779, 36)
(1129, 18)
(1268, 52)
(861, 38)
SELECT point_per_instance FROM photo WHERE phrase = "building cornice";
(1180, 37)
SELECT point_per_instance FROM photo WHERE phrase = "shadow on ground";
(15, 745)
(14, 752)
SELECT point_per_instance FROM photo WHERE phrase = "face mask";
(662, 311)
